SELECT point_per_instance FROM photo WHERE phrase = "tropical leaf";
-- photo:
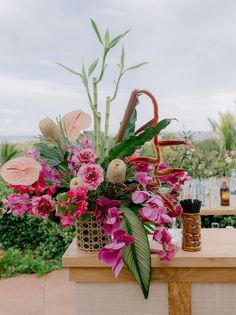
(94, 25)
(137, 256)
(92, 66)
(50, 153)
(128, 146)
(131, 126)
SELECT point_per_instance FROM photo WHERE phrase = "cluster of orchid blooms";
(41, 189)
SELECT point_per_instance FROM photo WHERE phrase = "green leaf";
(116, 40)
(137, 256)
(107, 38)
(84, 72)
(122, 58)
(92, 66)
(136, 66)
(128, 146)
(68, 69)
(131, 126)
(94, 25)
(50, 153)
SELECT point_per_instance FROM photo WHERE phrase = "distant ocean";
(16, 139)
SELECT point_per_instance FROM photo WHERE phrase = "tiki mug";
(191, 232)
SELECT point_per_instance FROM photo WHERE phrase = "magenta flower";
(143, 179)
(42, 206)
(178, 212)
(81, 207)
(78, 193)
(162, 235)
(163, 216)
(113, 220)
(141, 167)
(121, 236)
(140, 196)
(18, 204)
(67, 220)
(102, 206)
(91, 175)
(86, 143)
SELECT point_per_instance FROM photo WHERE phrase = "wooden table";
(200, 283)
(220, 210)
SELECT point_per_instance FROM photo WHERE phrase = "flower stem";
(98, 134)
(106, 133)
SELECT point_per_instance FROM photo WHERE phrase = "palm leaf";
(137, 256)
(128, 146)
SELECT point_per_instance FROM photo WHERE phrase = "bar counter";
(200, 283)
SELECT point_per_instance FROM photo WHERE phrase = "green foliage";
(8, 151)
(5, 191)
(128, 146)
(226, 130)
(49, 151)
(137, 256)
(131, 125)
(31, 244)
(16, 262)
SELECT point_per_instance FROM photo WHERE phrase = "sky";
(190, 46)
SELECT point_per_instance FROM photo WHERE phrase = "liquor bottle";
(224, 191)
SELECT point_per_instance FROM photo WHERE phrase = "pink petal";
(21, 171)
(74, 122)
(118, 267)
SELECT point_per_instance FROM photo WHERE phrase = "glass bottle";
(224, 191)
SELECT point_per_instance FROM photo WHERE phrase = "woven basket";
(90, 235)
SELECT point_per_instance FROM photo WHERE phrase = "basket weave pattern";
(90, 235)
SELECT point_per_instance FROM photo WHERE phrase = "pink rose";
(91, 175)
(42, 206)
(86, 156)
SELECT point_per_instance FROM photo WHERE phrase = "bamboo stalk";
(99, 133)
(106, 133)
(95, 118)
(128, 113)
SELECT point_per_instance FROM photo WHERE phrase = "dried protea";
(49, 129)
(116, 171)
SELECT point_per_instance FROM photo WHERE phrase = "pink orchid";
(74, 122)
(162, 235)
(113, 220)
(91, 175)
(155, 201)
(42, 206)
(178, 212)
(21, 171)
(168, 253)
(139, 196)
(111, 254)
(102, 206)
(143, 179)
(154, 214)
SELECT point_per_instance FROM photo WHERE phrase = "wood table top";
(218, 250)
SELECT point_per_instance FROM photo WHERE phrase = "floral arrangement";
(73, 173)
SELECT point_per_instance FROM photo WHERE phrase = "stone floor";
(52, 294)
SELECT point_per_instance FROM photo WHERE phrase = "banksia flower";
(49, 129)
(116, 171)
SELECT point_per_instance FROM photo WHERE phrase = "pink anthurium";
(74, 122)
(21, 171)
